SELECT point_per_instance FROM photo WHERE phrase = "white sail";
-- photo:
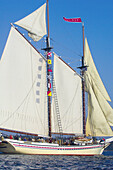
(23, 101)
(35, 23)
(68, 91)
(92, 71)
(100, 113)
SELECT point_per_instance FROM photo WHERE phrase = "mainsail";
(35, 23)
(100, 113)
(68, 95)
(23, 87)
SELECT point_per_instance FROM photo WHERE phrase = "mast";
(83, 85)
(49, 65)
(49, 70)
(83, 69)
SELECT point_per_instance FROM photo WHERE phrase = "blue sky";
(97, 16)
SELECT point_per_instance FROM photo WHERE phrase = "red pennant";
(72, 19)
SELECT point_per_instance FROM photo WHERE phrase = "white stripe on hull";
(21, 147)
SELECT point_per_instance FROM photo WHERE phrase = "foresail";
(67, 98)
(35, 23)
(23, 99)
(100, 113)
(97, 123)
(92, 71)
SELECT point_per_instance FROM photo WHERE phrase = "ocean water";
(26, 162)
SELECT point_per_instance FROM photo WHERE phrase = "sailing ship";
(35, 96)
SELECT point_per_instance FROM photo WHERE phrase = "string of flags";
(49, 61)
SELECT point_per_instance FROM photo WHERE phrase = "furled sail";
(35, 23)
(100, 113)
(23, 99)
(67, 97)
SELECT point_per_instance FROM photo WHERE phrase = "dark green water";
(26, 162)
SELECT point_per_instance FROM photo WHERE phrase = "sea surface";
(26, 162)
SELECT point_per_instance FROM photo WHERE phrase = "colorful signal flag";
(49, 61)
(49, 70)
(49, 54)
(49, 93)
(49, 85)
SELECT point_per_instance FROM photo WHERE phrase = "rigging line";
(32, 70)
(39, 117)
(74, 61)
(43, 40)
(13, 123)
(78, 86)
(68, 58)
(72, 122)
(71, 62)
(28, 42)
(34, 92)
(68, 110)
(97, 86)
(91, 125)
(94, 91)
(69, 119)
(20, 104)
(37, 111)
(78, 54)
(67, 65)
(26, 103)
(57, 111)
(71, 101)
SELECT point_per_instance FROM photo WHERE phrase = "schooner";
(36, 98)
